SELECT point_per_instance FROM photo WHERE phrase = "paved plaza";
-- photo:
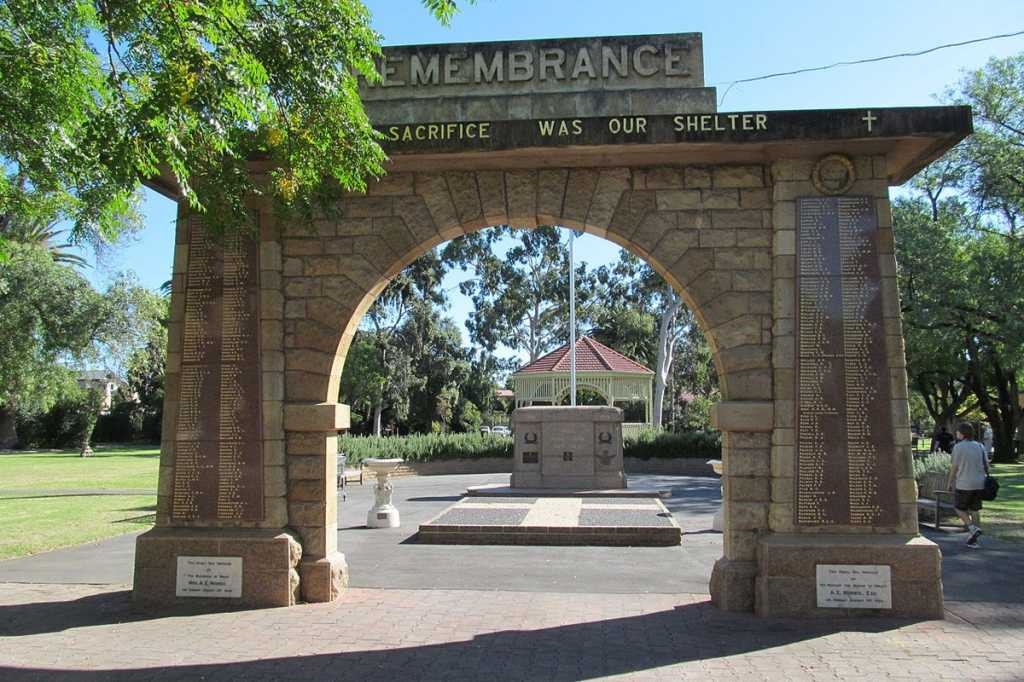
(430, 612)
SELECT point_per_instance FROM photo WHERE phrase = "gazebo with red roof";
(598, 367)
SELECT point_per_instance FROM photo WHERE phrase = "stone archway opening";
(718, 260)
(353, 544)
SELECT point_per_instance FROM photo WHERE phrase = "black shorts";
(968, 500)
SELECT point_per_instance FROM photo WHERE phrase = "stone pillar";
(842, 488)
(222, 480)
(312, 441)
(746, 430)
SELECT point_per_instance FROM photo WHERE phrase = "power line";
(866, 61)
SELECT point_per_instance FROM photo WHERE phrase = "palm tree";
(44, 234)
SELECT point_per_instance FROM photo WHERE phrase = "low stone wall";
(673, 467)
(503, 465)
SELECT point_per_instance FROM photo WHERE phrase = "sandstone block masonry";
(723, 235)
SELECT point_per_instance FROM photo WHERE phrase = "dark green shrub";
(425, 447)
(58, 427)
(935, 463)
(653, 443)
(440, 446)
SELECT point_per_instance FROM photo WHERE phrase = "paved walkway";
(83, 632)
(502, 613)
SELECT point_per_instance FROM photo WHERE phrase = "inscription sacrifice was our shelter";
(845, 466)
(218, 453)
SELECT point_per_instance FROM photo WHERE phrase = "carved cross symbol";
(869, 119)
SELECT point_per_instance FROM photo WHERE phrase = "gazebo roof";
(591, 356)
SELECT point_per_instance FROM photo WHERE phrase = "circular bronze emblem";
(833, 174)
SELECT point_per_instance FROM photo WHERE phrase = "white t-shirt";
(969, 459)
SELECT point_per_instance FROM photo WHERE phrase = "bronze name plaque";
(845, 464)
(218, 450)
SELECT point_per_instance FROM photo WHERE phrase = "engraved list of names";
(218, 458)
(845, 467)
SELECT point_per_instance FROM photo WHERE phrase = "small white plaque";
(853, 586)
(209, 576)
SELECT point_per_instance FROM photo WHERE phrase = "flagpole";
(572, 319)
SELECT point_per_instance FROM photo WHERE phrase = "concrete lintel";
(743, 415)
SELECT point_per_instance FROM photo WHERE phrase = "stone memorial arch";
(774, 226)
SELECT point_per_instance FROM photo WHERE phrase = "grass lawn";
(113, 467)
(31, 523)
(1004, 516)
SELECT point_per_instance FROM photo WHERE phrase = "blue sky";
(741, 40)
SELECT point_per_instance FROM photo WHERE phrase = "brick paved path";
(75, 631)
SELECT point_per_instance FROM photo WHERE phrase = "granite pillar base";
(732, 584)
(323, 579)
(786, 583)
(269, 561)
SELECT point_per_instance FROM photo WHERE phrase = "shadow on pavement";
(18, 620)
(439, 498)
(571, 652)
(989, 574)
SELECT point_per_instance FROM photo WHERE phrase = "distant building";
(505, 395)
(105, 381)
(599, 368)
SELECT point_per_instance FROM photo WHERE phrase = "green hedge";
(935, 463)
(425, 447)
(653, 443)
(440, 446)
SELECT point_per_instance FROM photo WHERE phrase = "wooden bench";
(933, 496)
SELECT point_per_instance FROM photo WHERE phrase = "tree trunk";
(1003, 412)
(378, 413)
(8, 430)
(943, 399)
(666, 346)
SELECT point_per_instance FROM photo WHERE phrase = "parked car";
(501, 430)
(485, 429)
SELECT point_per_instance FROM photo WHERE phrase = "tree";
(50, 319)
(993, 180)
(96, 95)
(88, 405)
(634, 294)
(929, 240)
(520, 300)
(391, 380)
(434, 345)
(44, 235)
(992, 165)
(693, 383)
(145, 364)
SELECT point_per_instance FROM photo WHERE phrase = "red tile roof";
(591, 356)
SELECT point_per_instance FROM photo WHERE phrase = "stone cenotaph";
(569, 448)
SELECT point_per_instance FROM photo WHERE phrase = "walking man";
(967, 479)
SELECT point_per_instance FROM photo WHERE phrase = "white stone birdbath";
(717, 523)
(382, 514)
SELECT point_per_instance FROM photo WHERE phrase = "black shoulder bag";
(991, 489)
